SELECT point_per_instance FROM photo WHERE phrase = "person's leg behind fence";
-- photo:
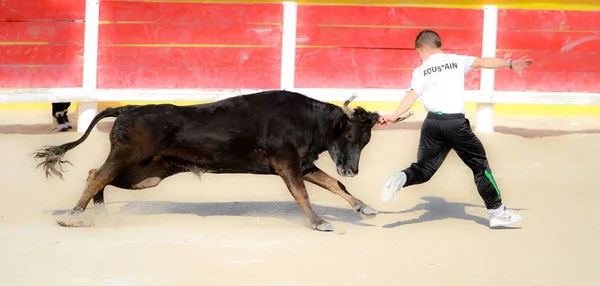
(58, 114)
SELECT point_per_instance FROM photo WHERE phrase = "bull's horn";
(348, 110)
(350, 99)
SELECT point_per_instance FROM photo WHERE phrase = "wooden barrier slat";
(182, 77)
(41, 54)
(52, 32)
(382, 37)
(350, 58)
(168, 12)
(548, 20)
(40, 76)
(222, 34)
(312, 15)
(507, 80)
(189, 57)
(42, 10)
(549, 41)
(557, 61)
(359, 78)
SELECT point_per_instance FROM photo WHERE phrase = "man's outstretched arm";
(495, 63)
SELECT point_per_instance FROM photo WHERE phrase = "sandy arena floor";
(247, 230)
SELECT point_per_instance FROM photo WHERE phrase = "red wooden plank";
(41, 54)
(42, 10)
(557, 61)
(549, 41)
(53, 32)
(382, 37)
(229, 34)
(189, 57)
(389, 16)
(176, 77)
(41, 76)
(348, 58)
(360, 78)
(548, 81)
(549, 20)
(169, 12)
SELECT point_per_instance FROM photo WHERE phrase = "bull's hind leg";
(118, 160)
(99, 197)
(287, 165)
(320, 178)
(147, 174)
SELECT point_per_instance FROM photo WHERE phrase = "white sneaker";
(395, 181)
(504, 218)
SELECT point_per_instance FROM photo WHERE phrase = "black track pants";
(439, 134)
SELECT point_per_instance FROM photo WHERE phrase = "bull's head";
(352, 134)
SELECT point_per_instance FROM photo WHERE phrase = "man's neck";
(434, 52)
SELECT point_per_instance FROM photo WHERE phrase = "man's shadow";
(438, 209)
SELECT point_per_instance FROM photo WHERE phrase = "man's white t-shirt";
(440, 82)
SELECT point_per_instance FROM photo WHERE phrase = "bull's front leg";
(287, 165)
(323, 180)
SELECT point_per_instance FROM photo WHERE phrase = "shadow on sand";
(278, 209)
(439, 209)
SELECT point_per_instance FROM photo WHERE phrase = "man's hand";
(385, 120)
(519, 65)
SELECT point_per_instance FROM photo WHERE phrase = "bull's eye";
(349, 136)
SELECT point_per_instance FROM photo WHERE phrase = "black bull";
(271, 132)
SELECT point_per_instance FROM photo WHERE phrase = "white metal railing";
(88, 95)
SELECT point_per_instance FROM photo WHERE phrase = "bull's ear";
(339, 124)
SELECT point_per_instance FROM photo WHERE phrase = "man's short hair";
(429, 38)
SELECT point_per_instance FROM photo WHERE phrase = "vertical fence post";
(288, 45)
(87, 110)
(485, 111)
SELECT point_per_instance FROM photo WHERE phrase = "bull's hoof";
(324, 226)
(76, 219)
(367, 211)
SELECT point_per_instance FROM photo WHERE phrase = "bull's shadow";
(439, 209)
(288, 210)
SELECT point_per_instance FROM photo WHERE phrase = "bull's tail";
(53, 155)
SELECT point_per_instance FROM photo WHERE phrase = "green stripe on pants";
(489, 176)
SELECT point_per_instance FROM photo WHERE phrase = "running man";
(439, 81)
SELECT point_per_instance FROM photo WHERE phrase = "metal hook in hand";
(402, 118)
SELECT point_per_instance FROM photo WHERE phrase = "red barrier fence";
(373, 47)
(566, 45)
(200, 45)
(189, 45)
(41, 43)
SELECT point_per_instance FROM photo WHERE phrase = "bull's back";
(222, 137)
(229, 136)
